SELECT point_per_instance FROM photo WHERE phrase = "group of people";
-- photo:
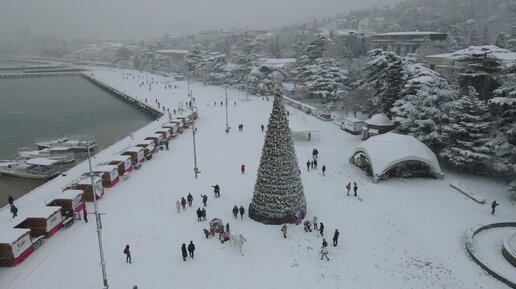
(237, 210)
(201, 214)
(313, 163)
(191, 249)
(355, 188)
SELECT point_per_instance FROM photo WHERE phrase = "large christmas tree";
(278, 192)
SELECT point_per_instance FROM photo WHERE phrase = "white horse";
(237, 240)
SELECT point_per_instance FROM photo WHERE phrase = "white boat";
(62, 155)
(36, 168)
(76, 143)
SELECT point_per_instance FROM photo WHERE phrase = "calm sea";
(58, 106)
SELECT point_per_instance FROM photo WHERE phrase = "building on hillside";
(357, 42)
(376, 125)
(408, 42)
(395, 155)
(449, 65)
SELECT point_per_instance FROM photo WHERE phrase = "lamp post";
(196, 169)
(226, 90)
(98, 222)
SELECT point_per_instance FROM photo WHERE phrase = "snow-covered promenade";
(405, 233)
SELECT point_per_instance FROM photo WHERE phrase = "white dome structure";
(392, 154)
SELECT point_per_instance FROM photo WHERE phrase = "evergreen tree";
(485, 36)
(474, 38)
(501, 40)
(482, 73)
(299, 45)
(422, 109)
(467, 134)
(278, 193)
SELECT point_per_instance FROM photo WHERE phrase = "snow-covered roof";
(69, 194)
(39, 211)
(134, 149)
(386, 150)
(378, 119)
(121, 158)
(273, 61)
(177, 51)
(465, 53)
(10, 235)
(41, 162)
(105, 168)
(353, 119)
(87, 180)
(409, 33)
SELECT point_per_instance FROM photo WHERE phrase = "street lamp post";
(196, 169)
(99, 224)
(226, 90)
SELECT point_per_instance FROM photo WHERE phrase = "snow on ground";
(402, 233)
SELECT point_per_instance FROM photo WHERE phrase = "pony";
(238, 240)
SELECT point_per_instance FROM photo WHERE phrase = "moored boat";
(36, 168)
(76, 143)
(62, 155)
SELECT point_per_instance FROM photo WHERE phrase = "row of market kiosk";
(19, 238)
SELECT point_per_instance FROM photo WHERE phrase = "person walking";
(85, 215)
(242, 212)
(321, 229)
(314, 221)
(191, 249)
(14, 211)
(335, 237)
(315, 153)
(348, 187)
(324, 253)
(166, 145)
(183, 202)
(315, 164)
(235, 211)
(355, 188)
(189, 198)
(10, 199)
(127, 253)
(216, 191)
(199, 214)
(263, 127)
(494, 204)
(227, 228)
(308, 165)
(178, 206)
(323, 170)
(312, 164)
(203, 214)
(204, 199)
(183, 251)
(242, 168)
(324, 243)
(284, 230)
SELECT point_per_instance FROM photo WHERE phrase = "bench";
(67, 222)
(37, 242)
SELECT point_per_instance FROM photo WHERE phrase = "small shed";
(15, 246)
(69, 200)
(157, 138)
(179, 124)
(84, 184)
(165, 133)
(376, 125)
(396, 155)
(123, 163)
(148, 147)
(352, 125)
(109, 175)
(136, 153)
(41, 220)
(181, 120)
(174, 129)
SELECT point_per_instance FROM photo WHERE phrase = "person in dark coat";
(315, 153)
(227, 228)
(127, 253)
(199, 214)
(10, 199)
(183, 202)
(189, 198)
(284, 230)
(14, 211)
(324, 243)
(183, 251)
(85, 215)
(308, 165)
(204, 199)
(315, 164)
(355, 188)
(242, 212)
(235, 211)
(166, 145)
(216, 191)
(323, 170)
(335, 237)
(203, 214)
(191, 249)
(321, 229)
(263, 127)
(242, 168)
(206, 233)
(494, 204)
(312, 165)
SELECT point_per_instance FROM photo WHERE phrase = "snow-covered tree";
(486, 36)
(474, 38)
(501, 40)
(278, 193)
(422, 109)
(482, 73)
(467, 134)
(299, 45)
(194, 61)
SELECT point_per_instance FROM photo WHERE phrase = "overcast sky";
(117, 19)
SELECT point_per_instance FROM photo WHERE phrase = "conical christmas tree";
(278, 193)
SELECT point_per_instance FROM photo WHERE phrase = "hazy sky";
(117, 19)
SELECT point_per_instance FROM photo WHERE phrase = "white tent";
(385, 151)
